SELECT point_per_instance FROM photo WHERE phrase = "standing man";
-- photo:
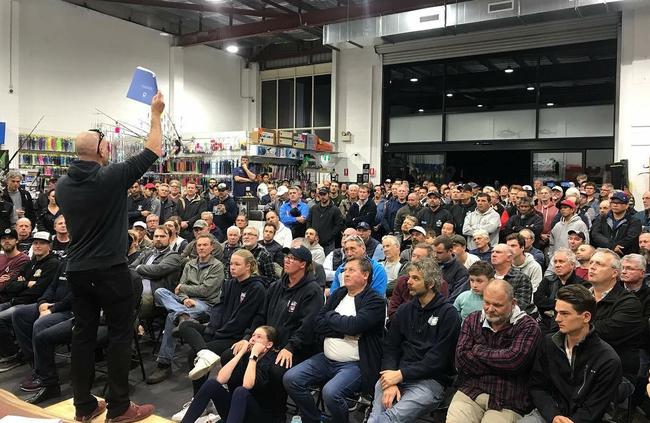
(434, 216)
(294, 213)
(619, 230)
(168, 207)
(484, 217)
(97, 270)
(326, 218)
(362, 210)
(190, 207)
(19, 197)
(244, 178)
(224, 209)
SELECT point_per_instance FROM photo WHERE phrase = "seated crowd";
(523, 303)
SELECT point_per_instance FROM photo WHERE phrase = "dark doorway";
(486, 167)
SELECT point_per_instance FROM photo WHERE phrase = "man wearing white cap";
(141, 229)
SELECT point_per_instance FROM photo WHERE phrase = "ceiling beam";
(305, 19)
(201, 8)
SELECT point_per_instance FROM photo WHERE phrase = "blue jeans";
(418, 398)
(39, 336)
(341, 380)
(172, 303)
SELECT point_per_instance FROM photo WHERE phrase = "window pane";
(285, 103)
(269, 104)
(322, 100)
(557, 166)
(323, 134)
(303, 102)
(596, 161)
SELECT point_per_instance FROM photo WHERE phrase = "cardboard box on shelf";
(325, 146)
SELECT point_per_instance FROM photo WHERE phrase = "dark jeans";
(339, 380)
(38, 338)
(194, 334)
(276, 373)
(7, 345)
(111, 290)
(238, 407)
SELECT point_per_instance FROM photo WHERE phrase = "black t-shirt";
(93, 201)
(59, 248)
(264, 390)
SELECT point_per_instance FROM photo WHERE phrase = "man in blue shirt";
(355, 248)
(294, 213)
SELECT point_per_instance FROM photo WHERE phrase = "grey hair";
(14, 174)
(430, 270)
(570, 255)
(638, 258)
(616, 260)
(481, 233)
(233, 228)
(412, 219)
(356, 239)
(528, 232)
(254, 229)
(391, 238)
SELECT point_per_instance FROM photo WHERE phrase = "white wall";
(633, 118)
(70, 60)
(358, 98)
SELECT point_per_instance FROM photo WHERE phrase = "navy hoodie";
(93, 201)
(291, 311)
(421, 342)
(239, 303)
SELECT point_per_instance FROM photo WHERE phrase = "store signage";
(345, 172)
(3, 127)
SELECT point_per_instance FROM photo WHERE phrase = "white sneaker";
(179, 416)
(210, 418)
(205, 360)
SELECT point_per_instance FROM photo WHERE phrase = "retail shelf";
(48, 152)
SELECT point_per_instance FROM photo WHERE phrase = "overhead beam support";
(306, 19)
(201, 8)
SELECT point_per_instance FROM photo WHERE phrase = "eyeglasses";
(291, 258)
(196, 229)
(101, 137)
(248, 234)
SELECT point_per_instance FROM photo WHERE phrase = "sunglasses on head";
(101, 137)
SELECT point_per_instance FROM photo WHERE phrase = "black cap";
(466, 188)
(9, 233)
(434, 193)
(301, 253)
(323, 190)
(363, 226)
(578, 233)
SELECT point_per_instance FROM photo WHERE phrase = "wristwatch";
(253, 357)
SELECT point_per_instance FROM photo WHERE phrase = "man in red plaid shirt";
(494, 355)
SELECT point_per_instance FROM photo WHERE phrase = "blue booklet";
(143, 86)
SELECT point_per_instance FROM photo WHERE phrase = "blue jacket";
(391, 211)
(289, 220)
(379, 278)
(644, 217)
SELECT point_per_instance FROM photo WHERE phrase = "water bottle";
(296, 419)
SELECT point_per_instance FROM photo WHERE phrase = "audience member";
(326, 219)
(481, 240)
(453, 272)
(355, 248)
(619, 230)
(480, 274)
(523, 290)
(282, 233)
(523, 261)
(569, 221)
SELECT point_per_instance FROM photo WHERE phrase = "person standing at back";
(97, 270)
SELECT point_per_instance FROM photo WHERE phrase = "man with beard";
(137, 205)
(12, 262)
(190, 207)
(282, 233)
(434, 216)
(494, 355)
(272, 246)
(326, 218)
(224, 209)
(417, 362)
(159, 267)
(526, 218)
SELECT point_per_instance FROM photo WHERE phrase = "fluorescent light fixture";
(479, 105)
(508, 70)
(550, 104)
(164, 34)
(414, 80)
(450, 95)
(421, 110)
(530, 88)
(232, 48)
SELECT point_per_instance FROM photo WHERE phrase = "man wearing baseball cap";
(618, 230)
(434, 215)
(12, 261)
(326, 218)
(374, 249)
(30, 284)
(569, 221)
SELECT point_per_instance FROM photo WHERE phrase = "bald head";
(86, 145)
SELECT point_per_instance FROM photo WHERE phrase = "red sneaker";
(101, 407)
(133, 414)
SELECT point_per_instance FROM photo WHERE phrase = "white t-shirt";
(471, 259)
(347, 348)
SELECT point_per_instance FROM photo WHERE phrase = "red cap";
(568, 203)
(149, 186)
